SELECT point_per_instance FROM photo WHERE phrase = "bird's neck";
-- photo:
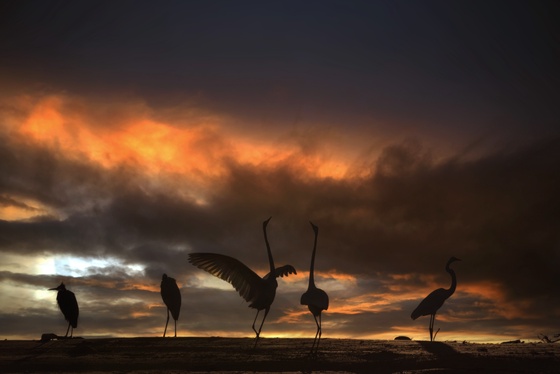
(451, 289)
(311, 270)
(270, 259)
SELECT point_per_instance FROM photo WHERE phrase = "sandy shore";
(191, 355)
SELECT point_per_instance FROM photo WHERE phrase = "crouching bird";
(171, 296)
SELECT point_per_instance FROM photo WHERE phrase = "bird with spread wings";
(257, 291)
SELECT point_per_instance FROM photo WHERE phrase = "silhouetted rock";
(402, 337)
(48, 336)
(513, 342)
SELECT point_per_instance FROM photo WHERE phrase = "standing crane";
(260, 292)
(315, 298)
(431, 304)
(68, 306)
(172, 298)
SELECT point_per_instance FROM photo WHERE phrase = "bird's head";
(315, 228)
(164, 277)
(451, 260)
(61, 287)
(266, 222)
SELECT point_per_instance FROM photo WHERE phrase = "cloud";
(388, 221)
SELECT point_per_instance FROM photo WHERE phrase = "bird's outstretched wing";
(282, 271)
(285, 271)
(233, 271)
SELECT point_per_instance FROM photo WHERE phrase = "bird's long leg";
(175, 328)
(260, 328)
(433, 321)
(68, 329)
(316, 334)
(432, 317)
(164, 331)
(255, 320)
(436, 333)
(71, 332)
(320, 333)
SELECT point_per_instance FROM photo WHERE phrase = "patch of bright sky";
(77, 266)
(73, 266)
(204, 280)
(60, 265)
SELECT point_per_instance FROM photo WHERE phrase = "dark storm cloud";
(439, 69)
(497, 212)
(443, 65)
(36, 172)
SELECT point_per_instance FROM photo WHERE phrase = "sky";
(135, 133)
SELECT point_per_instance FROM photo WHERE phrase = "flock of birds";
(257, 291)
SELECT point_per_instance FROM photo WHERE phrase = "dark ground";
(191, 355)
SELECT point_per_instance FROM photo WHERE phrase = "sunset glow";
(131, 137)
(195, 151)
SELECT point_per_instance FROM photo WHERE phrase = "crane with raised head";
(431, 304)
(259, 292)
(315, 298)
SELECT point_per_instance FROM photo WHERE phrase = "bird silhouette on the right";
(172, 298)
(68, 306)
(315, 298)
(431, 304)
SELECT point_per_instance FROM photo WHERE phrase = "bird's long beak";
(53, 289)
(315, 228)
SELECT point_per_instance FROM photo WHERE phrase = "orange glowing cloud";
(371, 302)
(194, 147)
(493, 298)
(293, 315)
(155, 146)
(335, 279)
(19, 208)
(126, 285)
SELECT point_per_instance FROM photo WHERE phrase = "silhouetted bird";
(68, 305)
(316, 299)
(172, 298)
(434, 301)
(260, 292)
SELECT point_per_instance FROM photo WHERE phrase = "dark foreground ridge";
(190, 355)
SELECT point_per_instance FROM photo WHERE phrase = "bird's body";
(68, 306)
(257, 291)
(315, 298)
(431, 304)
(171, 296)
